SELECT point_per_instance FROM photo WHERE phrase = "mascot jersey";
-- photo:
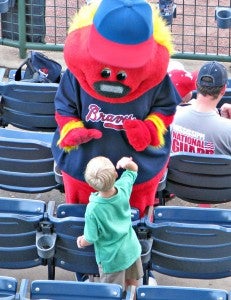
(115, 99)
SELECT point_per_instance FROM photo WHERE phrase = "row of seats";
(30, 106)
(185, 242)
(72, 290)
(33, 234)
(27, 166)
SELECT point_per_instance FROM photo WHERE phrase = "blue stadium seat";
(67, 255)
(19, 222)
(193, 215)
(8, 288)
(78, 210)
(199, 178)
(26, 161)
(67, 224)
(190, 242)
(29, 106)
(72, 290)
(177, 293)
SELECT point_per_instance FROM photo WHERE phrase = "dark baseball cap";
(212, 74)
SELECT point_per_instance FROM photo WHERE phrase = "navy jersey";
(72, 101)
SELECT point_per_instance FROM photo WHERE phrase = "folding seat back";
(8, 288)
(192, 215)
(26, 161)
(73, 290)
(200, 178)
(67, 255)
(176, 293)
(73, 210)
(19, 221)
(186, 246)
(68, 225)
(28, 106)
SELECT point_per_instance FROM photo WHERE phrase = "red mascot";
(115, 98)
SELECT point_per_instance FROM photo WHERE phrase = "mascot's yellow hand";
(79, 136)
(138, 134)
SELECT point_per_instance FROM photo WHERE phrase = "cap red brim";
(120, 55)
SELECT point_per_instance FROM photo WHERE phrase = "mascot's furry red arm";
(73, 132)
(115, 99)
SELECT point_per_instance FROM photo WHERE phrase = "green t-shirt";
(108, 226)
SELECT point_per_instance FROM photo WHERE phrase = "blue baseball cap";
(122, 33)
(212, 74)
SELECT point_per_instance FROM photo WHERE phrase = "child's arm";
(81, 242)
(127, 163)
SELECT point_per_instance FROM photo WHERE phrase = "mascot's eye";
(105, 73)
(121, 75)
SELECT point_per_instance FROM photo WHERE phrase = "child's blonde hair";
(100, 173)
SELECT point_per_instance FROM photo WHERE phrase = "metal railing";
(43, 24)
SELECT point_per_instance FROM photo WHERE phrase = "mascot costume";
(115, 98)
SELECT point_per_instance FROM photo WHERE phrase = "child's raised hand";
(127, 163)
(122, 163)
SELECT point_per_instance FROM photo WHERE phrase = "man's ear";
(223, 89)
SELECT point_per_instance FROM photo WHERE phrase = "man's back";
(198, 127)
(200, 132)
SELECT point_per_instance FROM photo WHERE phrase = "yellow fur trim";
(84, 16)
(161, 33)
(68, 127)
(161, 129)
(70, 148)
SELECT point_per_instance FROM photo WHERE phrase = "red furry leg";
(143, 195)
(76, 191)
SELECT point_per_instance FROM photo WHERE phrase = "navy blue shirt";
(71, 100)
